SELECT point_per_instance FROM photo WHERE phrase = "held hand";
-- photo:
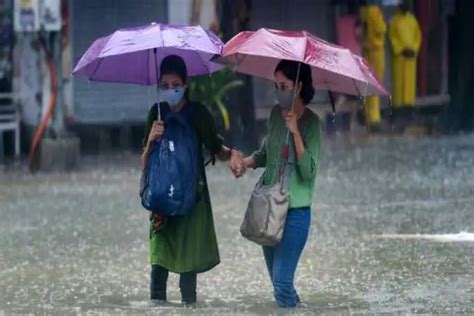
(156, 132)
(239, 170)
(236, 164)
(291, 122)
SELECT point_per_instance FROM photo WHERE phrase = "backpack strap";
(191, 108)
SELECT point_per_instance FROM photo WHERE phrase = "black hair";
(290, 69)
(404, 6)
(174, 64)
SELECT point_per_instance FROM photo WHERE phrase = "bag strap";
(187, 111)
(211, 160)
(287, 164)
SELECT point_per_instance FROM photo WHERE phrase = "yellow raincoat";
(373, 49)
(404, 34)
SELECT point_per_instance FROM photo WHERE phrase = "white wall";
(29, 72)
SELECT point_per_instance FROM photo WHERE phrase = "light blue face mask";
(172, 96)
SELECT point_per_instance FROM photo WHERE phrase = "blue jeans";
(282, 259)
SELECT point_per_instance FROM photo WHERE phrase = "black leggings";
(187, 284)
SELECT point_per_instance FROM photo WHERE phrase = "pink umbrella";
(334, 68)
(376, 86)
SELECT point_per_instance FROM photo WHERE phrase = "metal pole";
(58, 124)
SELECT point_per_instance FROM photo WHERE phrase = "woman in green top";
(186, 244)
(305, 130)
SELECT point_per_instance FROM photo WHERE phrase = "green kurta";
(189, 243)
(303, 172)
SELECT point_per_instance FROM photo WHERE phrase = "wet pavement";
(392, 232)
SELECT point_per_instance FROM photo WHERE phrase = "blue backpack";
(172, 173)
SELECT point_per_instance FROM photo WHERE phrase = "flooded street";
(392, 232)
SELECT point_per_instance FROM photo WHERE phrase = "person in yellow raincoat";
(405, 37)
(373, 50)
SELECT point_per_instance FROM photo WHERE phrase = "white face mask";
(172, 96)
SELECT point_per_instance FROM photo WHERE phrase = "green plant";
(213, 91)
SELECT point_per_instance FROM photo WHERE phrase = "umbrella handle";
(333, 106)
(155, 52)
(293, 103)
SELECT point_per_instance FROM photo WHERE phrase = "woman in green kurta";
(305, 138)
(186, 244)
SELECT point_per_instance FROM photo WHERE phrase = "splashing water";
(77, 242)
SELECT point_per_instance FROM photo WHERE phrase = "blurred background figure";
(405, 38)
(373, 50)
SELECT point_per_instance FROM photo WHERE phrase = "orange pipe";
(52, 101)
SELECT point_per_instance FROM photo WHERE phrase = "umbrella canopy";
(133, 55)
(376, 86)
(333, 68)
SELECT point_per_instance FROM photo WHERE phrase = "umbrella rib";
(162, 37)
(96, 68)
(242, 60)
(305, 48)
(148, 67)
(357, 88)
(366, 88)
(205, 66)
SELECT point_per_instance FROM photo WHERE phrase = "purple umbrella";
(133, 55)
